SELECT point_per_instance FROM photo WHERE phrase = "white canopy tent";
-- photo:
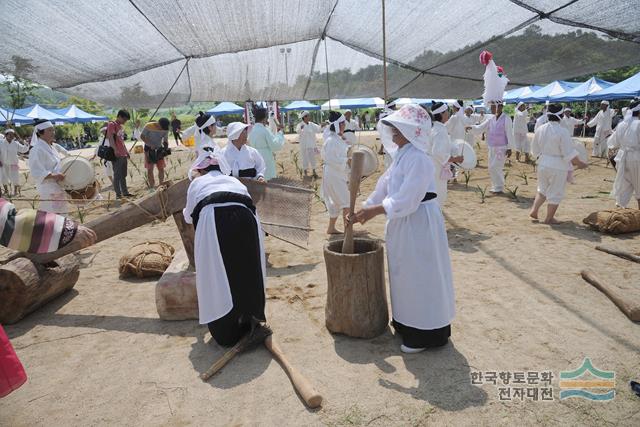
(207, 50)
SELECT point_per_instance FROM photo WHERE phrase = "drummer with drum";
(44, 164)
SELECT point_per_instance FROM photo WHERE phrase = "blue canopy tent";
(626, 89)
(555, 88)
(300, 105)
(513, 96)
(226, 108)
(76, 115)
(343, 104)
(17, 119)
(38, 112)
(581, 92)
(420, 101)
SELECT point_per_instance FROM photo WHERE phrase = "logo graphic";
(574, 383)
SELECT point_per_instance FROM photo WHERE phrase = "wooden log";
(621, 254)
(26, 286)
(357, 163)
(356, 293)
(188, 236)
(627, 302)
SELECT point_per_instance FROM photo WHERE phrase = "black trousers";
(241, 255)
(120, 176)
(422, 338)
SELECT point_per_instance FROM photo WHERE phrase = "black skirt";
(241, 255)
(422, 338)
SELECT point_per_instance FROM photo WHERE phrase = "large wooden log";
(188, 236)
(621, 254)
(25, 286)
(356, 293)
(627, 300)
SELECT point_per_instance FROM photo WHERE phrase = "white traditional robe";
(44, 160)
(335, 191)
(542, 120)
(10, 161)
(497, 154)
(267, 145)
(420, 277)
(520, 131)
(441, 147)
(350, 125)
(469, 121)
(205, 141)
(212, 284)
(455, 126)
(570, 124)
(554, 147)
(627, 183)
(245, 158)
(602, 122)
(307, 132)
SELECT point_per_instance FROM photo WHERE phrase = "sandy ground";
(99, 355)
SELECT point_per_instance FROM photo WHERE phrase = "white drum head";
(463, 148)
(582, 151)
(370, 160)
(78, 173)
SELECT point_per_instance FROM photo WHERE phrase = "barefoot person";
(244, 161)
(10, 167)
(554, 149)
(307, 131)
(420, 279)
(520, 130)
(229, 250)
(602, 121)
(627, 138)
(335, 191)
(441, 150)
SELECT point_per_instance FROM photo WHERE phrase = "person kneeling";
(229, 250)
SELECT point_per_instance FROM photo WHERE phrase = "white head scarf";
(412, 121)
(36, 128)
(327, 130)
(605, 102)
(628, 115)
(207, 158)
(519, 104)
(441, 109)
(460, 108)
(234, 130)
(304, 113)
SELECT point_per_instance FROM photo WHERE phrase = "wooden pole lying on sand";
(630, 308)
(621, 254)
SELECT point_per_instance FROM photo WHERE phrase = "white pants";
(552, 184)
(630, 184)
(10, 174)
(308, 157)
(599, 145)
(54, 198)
(497, 157)
(522, 142)
(335, 192)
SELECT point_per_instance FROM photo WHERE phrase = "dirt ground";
(99, 355)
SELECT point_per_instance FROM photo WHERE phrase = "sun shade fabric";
(129, 53)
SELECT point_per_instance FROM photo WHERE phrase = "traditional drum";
(464, 149)
(370, 164)
(79, 178)
(582, 151)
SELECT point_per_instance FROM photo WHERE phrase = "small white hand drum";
(582, 151)
(78, 173)
(463, 148)
(370, 165)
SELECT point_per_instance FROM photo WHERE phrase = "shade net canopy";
(130, 53)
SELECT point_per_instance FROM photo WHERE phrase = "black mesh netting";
(130, 52)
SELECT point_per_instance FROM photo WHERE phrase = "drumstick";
(357, 163)
(300, 383)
